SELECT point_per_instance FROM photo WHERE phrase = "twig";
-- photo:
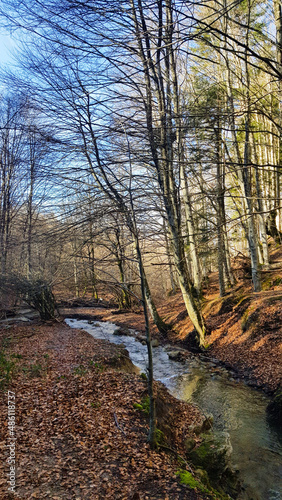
(167, 448)
(117, 424)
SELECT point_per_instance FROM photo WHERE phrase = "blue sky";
(6, 46)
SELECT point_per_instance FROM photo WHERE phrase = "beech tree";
(12, 170)
(141, 54)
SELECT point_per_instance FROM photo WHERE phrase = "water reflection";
(236, 408)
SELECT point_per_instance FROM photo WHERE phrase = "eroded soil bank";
(78, 434)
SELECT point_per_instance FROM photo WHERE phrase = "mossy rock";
(274, 408)
(203, 476)
(230, 483)
(212, 454)
(121, 361)
(188, 479)
(203, 426)
(200, 483)
(123, 331)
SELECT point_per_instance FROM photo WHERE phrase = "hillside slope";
(245, 328)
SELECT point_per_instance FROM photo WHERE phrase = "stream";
(236, 409)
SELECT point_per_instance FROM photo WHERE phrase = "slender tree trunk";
(220, 209)
(278, 23)
(120, 256)
(144, 290)
(125, 297)
(247, 179)
(30, 221)
(168, 253)
(75, 270)
(160, 324)
(193, 310)
(244, 170)
(146, 300)
(91, 257)
(252, 232)
(261, 216)
(192, 246)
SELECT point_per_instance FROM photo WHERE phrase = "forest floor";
(78, 434)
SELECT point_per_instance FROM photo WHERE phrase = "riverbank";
(245, 328)
(79, 431)
(245, 331)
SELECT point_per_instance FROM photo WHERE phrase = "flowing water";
(236, 408)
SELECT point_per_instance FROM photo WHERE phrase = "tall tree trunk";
(192, 246)
(278, 23)
(30, 221)
(259, 196)
(155, 74)
(75, 269)
(193, 309)
(160, 324)
(247, 177)
(91, 257)
(144, 290)
(168, 253)
(244, 166)
(220, 208)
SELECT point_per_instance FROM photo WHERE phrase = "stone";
(140, 338)
(207, 423)
(155, 343)
(203, 426)
(122, 331)
(203, 476)
(123, 362)
(175, 355)
(212, 454)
